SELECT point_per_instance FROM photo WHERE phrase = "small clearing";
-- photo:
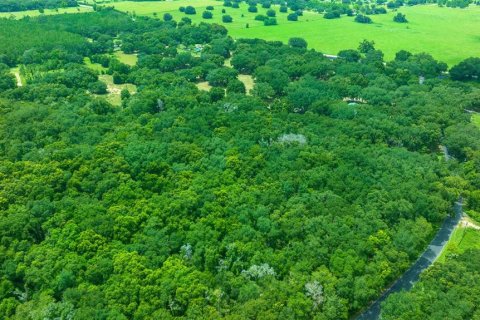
(203, 86)
(247, 81)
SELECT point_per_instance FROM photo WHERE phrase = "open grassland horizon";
(448, 34)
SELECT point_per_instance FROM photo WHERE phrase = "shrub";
(332, 15)
(235, 5)
(190, 10)
(227, 19)
(227, 4)
(209, 8)
(252, 9)
(167, 17)
(270, 21)
(292, 17)
(266, 5)
(207, 15)
(260, 17)
(271, 13)
(297, 42)
(400, 18)
(182, 9)
(283, 9)
(360, 18)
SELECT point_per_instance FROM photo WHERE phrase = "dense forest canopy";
(301, 199)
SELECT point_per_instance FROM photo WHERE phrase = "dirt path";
(466, 222)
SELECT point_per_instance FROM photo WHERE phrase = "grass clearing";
(247, 81)
(203, 86)
(476, 119)
(114, 90)
(129, 59)
(94, 66)
(449, 34)
(464, 237)
(35, 13)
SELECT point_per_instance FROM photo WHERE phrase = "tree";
(221, 77)
(400, 18)
(297, 42)
(207, 15)
(360, 18)
(167, 17)
(283, 9)
(468, 69)
(292, 17)
(235, 86)
(366, 46)
(270, 21)
(253, 9)
(271, 13)
(227, 19)
(190, 10)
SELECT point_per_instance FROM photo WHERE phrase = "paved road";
(408, 279)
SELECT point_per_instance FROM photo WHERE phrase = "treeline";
(302, 199)
(14, 5)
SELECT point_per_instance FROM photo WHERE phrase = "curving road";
(408, 279)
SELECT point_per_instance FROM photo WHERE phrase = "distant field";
(34, 13)
(448, 34)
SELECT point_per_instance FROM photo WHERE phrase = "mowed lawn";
(450, 35)
(34, 13)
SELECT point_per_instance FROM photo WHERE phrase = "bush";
(283, 9)
(235, 5)
(252, 9)
(227, 4)
(260, 17)
(167, 17)
(332, 15)
(209, 8)
(266, 5)
(207, 15)
(297, 42)
(269, 21)
(360, 18)
(292, 17)
(400, 18)
(227, 19)
(190, 10)
(271, 13)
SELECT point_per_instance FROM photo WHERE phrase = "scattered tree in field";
(260, 17)
(270, 21)
(297, 42)
(227, 3)
(227, 18)
(181, 9)
(271, 13)
(360, 18)
(332, 15)
(366, 46)
(190, 10)
(253, 9)
(167, 17)
(266, 4)
(207, 15)
(292, 17)
(283, 9)
(400, 18)
(210, 8)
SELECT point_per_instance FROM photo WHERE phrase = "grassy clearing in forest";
(35, 13)
(463, 238)
(449, 34)
(129, 59)
(114, 90)
(476, 119)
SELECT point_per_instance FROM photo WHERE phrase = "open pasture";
(450, 35)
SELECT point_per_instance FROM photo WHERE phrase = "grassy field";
(476, 119)
(128, 59)
(448, 34)
(463, 238)
(114, 90)
(34, 13)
